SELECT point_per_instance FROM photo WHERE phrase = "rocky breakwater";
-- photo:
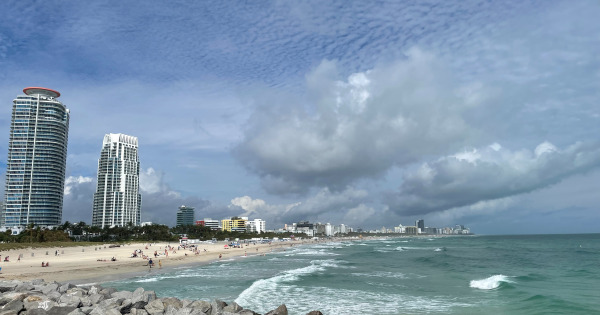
(39, 297)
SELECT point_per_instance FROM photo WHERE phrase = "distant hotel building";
(37, 154)
(256, 226)
(212, 224)
(117, 200)
(185, 216)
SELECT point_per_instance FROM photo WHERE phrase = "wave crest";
(490, 283)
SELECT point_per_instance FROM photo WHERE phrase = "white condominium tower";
(117, 200)
(37, 154)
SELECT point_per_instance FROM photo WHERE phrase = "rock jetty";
(38, 297)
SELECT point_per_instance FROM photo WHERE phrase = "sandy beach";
(83, 264)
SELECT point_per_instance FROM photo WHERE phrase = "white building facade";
(37, 156)
(117, 200)
(256, 225)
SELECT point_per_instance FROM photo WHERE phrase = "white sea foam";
(490, 283)
(279, 284)
(438, 250)
(148, 280)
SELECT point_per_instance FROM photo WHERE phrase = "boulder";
(155, 307)
(14, 305)
(202, 306)
(60, 310)
(77, 311)
(70, 300)
(233, 308)
(52, 287)
(314, 313)
(63, 288)
(175, 302)
(217, 307)
(96, 298)
(137, 311)
(6, 286)
(122, 294)
(280, 310)
(24, 287)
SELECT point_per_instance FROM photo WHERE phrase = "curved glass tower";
(37, 156)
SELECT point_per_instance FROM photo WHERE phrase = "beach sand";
(87, 264)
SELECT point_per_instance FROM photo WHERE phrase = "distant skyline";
(369, 114)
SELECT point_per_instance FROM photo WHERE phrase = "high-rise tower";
(117, 200)
(37, 155)
(185, 216)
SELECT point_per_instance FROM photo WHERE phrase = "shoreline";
(92, 264)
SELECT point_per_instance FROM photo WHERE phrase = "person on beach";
(159, 264)
(150, 263)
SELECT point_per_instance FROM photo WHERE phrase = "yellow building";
(234, 225)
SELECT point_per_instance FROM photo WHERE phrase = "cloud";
(358, 127)
(324, 205)
(478, 177)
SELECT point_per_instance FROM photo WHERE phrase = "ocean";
(525, 274)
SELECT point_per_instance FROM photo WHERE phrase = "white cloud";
(357, 128)
(454, 182)
(75, 180)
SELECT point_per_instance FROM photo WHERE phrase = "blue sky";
(483, 113)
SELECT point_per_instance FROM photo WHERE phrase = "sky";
(366, 113)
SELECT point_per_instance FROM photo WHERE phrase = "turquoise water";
(533, 274)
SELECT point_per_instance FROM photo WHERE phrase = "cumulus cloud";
(474, 178)
(325, 204)
(358, 127)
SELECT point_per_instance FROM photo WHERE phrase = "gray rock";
(76, 312)
(171, 310)
(70, 300)
(6, 286)
(122, 294)
(233, 308)
(24, 287)
(86, 309)
(52, 287)
(107, 292)
(314, 313)
(137, 311)
(104, 311)
(85, 301)
(14, 305)
(76, 292)
(96, 298)
(246, 312)
(186, 302)
(9, 312)
(171, 301)
(60, 310)
(217, 307)
(280, 310)
(9, 296)
(155, 307)
(35, 311)
(54, 296)
(37, 281)
(63, 288)
(202, 306)
(95, 289)
(111, 303)
(36, 301)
